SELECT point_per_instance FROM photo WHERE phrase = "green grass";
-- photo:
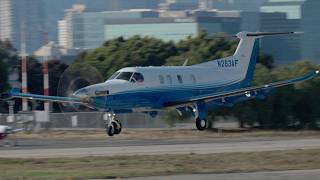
(132, 166)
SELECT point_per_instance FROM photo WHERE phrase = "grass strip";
(152, 165)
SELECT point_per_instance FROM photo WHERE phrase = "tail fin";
(247, 53)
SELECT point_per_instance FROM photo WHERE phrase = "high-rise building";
(240, 5)
(65, 31)
(19, 17)
(284, 49)
(85, 29)
(282, 15)
(292, 8)
(311, 28)
(174, 29)
(55, 10)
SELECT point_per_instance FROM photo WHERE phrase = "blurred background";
(42, 43)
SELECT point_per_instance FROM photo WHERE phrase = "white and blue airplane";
(221, 82)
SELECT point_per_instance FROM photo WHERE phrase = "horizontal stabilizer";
(261, 34)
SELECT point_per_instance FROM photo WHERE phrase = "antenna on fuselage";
(185, 62)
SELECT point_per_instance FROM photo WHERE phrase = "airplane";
(195, 88)
(5, 131)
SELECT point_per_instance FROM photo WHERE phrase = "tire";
(201, 124)
(117, 127)
(110, 130)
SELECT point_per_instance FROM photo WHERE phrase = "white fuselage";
(220, 72)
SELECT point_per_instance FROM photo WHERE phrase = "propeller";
(75, 77)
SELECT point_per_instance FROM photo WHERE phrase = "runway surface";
(277, 175)
(33, 148)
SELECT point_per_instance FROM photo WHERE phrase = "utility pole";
(46, 75)
(24, 64)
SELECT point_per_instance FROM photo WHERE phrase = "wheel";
(117, 127)
(201, 124)
(110, 130)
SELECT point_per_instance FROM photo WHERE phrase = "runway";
(276, 175)
(33, 148)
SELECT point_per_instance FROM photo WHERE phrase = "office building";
(85, 30)
(22, 18)
(171, 29)
(239, 5)
(282, 15)
(292, 8)
(311, 27)
(284, 49)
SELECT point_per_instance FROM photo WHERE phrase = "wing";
(15, 93)
(242, 91)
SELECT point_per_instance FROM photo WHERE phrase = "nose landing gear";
(113, 127)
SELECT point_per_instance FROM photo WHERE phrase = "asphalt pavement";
(275, 175)
(35, 148)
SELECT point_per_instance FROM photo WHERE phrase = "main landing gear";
(199, 114)
(113, 127)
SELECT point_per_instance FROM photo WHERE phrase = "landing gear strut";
(113, 126)
(199, 114)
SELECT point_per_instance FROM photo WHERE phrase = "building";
(52, 51)
(239, 5)
(179, 5)
(20, 18)
(311, 28)
(282, 15)
(284, 49)
(292, 8)
(65, 26)
(85, 30)
(54, 10)
(171, 29)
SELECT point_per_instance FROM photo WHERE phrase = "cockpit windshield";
(124, 76)
(128, 76)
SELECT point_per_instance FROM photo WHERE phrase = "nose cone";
(81, 93)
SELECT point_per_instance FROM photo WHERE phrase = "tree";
(8, 58)
(135, 51)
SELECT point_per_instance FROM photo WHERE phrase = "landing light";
(317, 72)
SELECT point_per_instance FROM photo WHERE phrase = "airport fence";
(79, 120)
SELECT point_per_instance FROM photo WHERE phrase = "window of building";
(179, 79)
(169, 79)
(161, 79)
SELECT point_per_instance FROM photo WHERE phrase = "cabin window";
(193, 78)
(124, 76)
(161, 79)
(137, 77)
(179, 79)
(169, 79)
